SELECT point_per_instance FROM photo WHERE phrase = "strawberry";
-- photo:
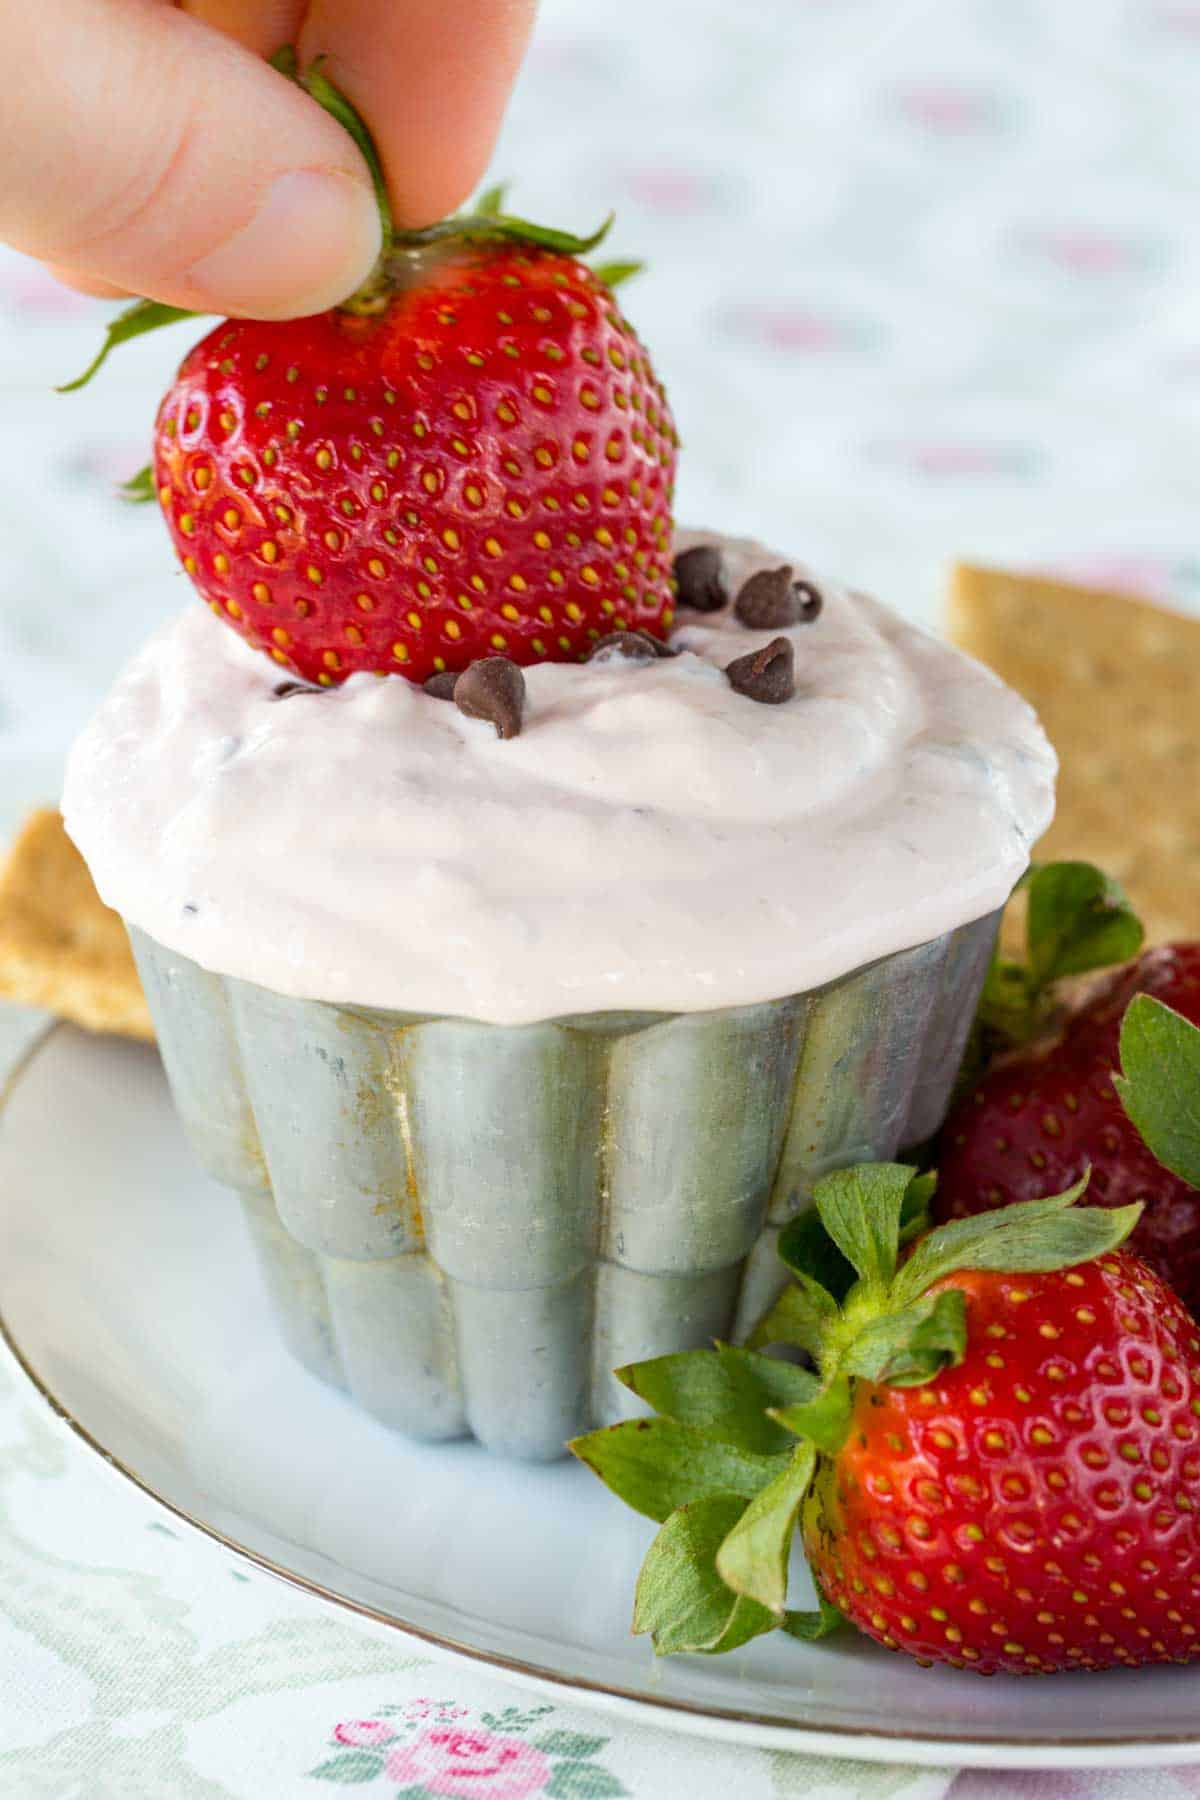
(1039, 1117)
(1036, 1507)
(482, 466)
(473, 457)
(995, 1463)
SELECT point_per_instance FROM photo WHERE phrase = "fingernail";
(313, 240)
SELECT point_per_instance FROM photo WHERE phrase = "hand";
(149, 148)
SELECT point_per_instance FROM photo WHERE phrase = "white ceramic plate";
(129, 1296)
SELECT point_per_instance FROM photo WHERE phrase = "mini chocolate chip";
(441, 686)
(286, 689)
(494, 689)
(637, 646)
(660, 649)
(190, 908)
(768, 675)
(774, 599)
(701, 580)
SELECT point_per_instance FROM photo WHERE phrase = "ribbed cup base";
(469, 1226)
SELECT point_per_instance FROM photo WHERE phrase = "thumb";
(141, 149)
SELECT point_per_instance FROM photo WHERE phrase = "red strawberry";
(472, 457)
(1036, 1507)
(485, 465)
(995, 1461)
(1035, 1121)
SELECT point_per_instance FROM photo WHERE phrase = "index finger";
(431, 78)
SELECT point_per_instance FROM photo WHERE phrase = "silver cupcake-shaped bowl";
(469, 1226)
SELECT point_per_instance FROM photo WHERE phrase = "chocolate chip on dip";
(493, 689)
(441, 685)
(774, 599)
(767, 675)
(700, 579)
(286, 689)
(638, 646)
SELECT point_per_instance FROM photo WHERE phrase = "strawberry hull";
(468, 1226)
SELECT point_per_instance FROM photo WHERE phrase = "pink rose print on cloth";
(432, 1750)
(947, 110)
(432, 1709)
(363, 1733)
(1089, 255)
(798, 329)
(451, 1761)
(1183, 21)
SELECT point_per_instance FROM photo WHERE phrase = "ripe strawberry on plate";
(472, 457)
(1033, 1508)
(1039, 1117)
(996, 1463)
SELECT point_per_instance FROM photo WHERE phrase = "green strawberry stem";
(403, 256)
(1077, 920)
(317, 85)
(488, 223)
(737, 1436)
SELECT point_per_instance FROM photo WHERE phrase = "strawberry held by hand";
(472, 457)
(483, 464)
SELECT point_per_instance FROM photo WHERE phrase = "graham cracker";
(1116, 682)
(60, 946)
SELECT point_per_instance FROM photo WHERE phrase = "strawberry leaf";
(809, 1249)
(915, 1215)
(860, 1208)
(1006, 1004)
(612, 274)
(726, 1391)
(811, 1254)
(139, 488)
(910, 1347)
(504, 228)
(1078, 919)
(131, 322)
(800, 1316)
(809, 1626)
(657, 1465)
(490, 203)
(1028, 1237)
(825, 1419)
(1160, 1086)
(753, 1558)
(681, 1600)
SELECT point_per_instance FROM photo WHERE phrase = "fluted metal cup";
(470, 1226)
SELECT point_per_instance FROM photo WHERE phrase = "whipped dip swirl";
(652, 840)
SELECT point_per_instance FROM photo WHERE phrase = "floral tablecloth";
(923, 283)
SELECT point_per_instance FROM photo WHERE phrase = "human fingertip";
(312, 240)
